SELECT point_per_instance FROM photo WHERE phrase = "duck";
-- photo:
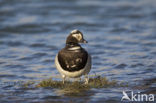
(73, 61)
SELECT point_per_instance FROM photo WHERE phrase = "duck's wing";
(72, 60)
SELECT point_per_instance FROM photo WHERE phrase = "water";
(122, 42)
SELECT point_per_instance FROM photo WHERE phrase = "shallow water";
(122, 42)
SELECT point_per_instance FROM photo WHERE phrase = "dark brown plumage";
(71, 60)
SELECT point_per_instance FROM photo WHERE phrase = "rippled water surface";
(122, 42)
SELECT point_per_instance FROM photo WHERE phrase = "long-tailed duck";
(73, 61)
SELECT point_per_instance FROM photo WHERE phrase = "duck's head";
(75, 37)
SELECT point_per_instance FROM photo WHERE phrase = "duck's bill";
(84, 41)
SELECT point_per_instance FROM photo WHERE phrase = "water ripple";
(121, 39)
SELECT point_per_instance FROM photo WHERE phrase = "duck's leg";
(63, 78)
(86, 79)
(79, 79)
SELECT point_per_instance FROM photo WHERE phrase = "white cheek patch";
(77, 36)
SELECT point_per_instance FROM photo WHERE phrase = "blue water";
(122, 42)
